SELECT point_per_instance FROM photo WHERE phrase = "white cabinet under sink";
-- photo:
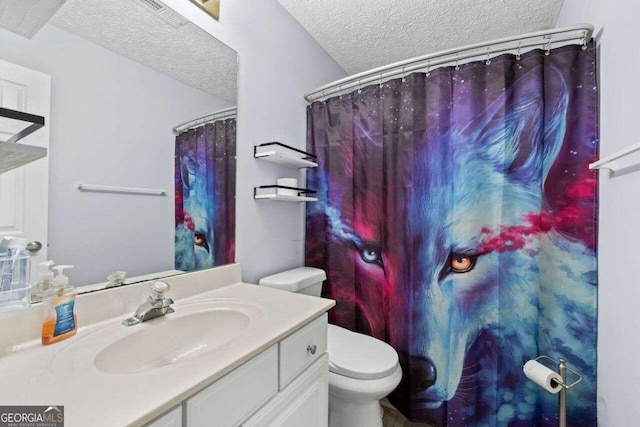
(232, 398)
(171, 418)
(302, 403)
(286, 386)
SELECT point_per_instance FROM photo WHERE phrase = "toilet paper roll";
(543, 376)
(287, 182)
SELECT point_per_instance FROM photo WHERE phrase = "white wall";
(619, 229)
(111, 122)
(279, 62)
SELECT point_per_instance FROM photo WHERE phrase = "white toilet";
(362, 369)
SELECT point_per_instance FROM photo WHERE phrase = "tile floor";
(393, 418)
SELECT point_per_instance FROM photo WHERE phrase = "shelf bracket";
(36, 123)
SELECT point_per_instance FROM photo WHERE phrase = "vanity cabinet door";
(231, 399)
(304, 402)
(172, 418)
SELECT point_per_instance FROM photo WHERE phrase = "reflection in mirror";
(205, 192)
(122, 74)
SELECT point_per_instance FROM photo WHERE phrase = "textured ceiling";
(186, 53)
(364, 34)
(26, 18)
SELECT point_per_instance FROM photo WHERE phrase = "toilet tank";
(304, 280)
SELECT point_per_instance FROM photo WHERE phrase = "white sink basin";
(193, 330)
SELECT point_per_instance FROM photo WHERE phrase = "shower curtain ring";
(428, 68)
(404, 78)
(380, 80)
(584, 41)
(340, 92)
(457, 63)
(324, 101)
(518, 56)
(359, 86)
(547, 50)
(488, 61)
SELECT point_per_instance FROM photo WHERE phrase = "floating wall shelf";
(285, 198)
(282, 154)
(12, 154)
(260, 193)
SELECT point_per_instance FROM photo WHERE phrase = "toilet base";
(356, 403)
(354, 414)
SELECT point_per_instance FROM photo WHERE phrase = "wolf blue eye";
(371, 254)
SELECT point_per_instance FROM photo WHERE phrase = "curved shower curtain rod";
(518, 44)
(226, 113)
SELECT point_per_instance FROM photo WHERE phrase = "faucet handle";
(159, 289)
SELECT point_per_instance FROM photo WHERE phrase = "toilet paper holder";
(562, 366)
(562, 394)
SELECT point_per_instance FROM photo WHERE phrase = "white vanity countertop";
(30, 376)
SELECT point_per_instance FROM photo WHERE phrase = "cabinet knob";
(312, 349)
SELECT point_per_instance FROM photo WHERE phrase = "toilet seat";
(359, 356)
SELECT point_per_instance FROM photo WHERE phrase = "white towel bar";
(122, 190)
(609, 162)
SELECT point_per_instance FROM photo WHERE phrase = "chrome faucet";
(155, 306)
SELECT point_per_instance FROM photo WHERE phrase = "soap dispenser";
(42, 288)
(60, 320)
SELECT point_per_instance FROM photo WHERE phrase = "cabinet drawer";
(297, 351)
(232, 398)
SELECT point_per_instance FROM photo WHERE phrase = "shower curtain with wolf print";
(205, 183)
(456, 221)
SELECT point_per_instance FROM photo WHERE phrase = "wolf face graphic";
(445, 246)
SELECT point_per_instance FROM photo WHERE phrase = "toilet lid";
(359, 356)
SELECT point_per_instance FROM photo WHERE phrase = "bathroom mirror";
(123, 74)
